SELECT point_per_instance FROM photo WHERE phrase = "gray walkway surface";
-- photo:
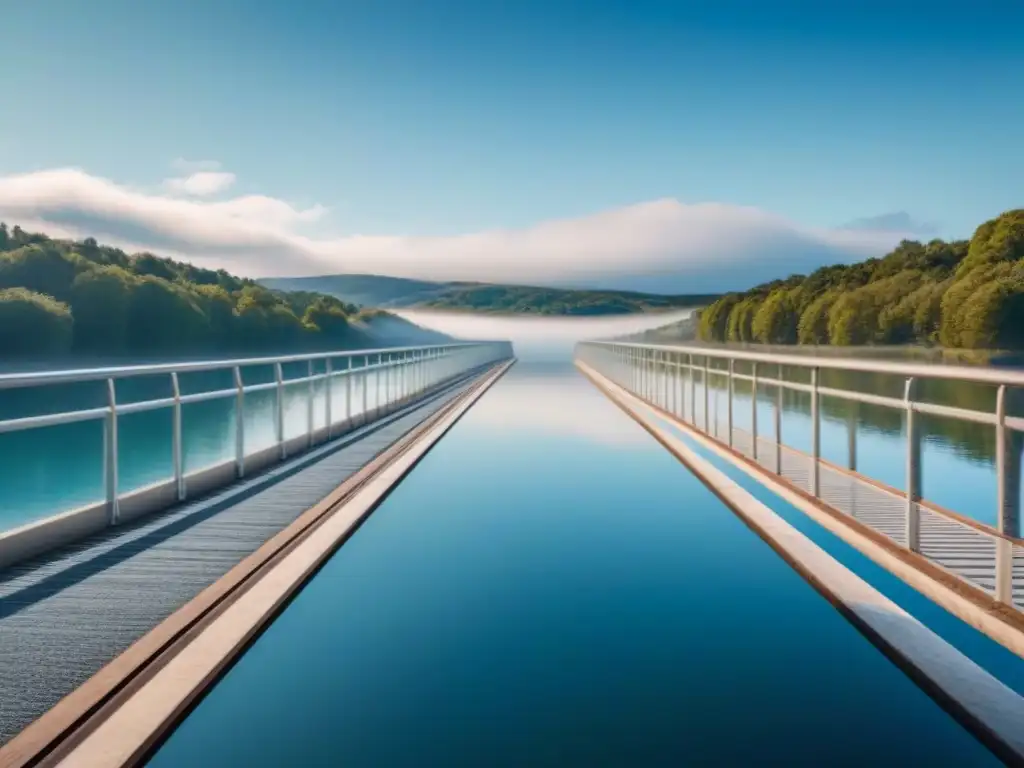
(64, 616)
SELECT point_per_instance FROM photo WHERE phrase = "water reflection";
(544, 398)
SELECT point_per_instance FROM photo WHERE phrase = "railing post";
(348, 392)
(177, 451)
(779, 403)
(329, 378)
(1008, 497)
(239, 423)
(851, 436)
(366, 387)
(693, 390)
(815, 436)
(913, 522)
(729, 398)
(707, 395)
(309, 405)
(680, 388)
(279, 411)
(753, 409)
(111, 455)
(666, 381)
(376, 385)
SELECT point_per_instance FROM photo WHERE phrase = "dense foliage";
(59, 297)
(958, 294)
(555, 301)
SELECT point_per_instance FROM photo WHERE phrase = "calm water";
(550, 587)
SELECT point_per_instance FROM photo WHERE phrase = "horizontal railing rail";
(667, 375)
(399, 375)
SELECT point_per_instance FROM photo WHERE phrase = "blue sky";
(415, 122)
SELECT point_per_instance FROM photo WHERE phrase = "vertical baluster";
(279, 410)
(692, 373)
(707, 393)
(913, 521)
(815, 481)
(1005, 494)
(851, 436)
(779, 404)
(329, 379)
(310, 391)
(729, 398)
(239, 423)
(364, 381)
(753, 410)
(111, 456)
(177, 450)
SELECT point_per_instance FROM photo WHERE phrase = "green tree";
(100, 301)
(163, 318)
(33, 325)
(998, 240)
(41, 268)
(777, 317)
(812, 328)
(741, 319)
(714, 319)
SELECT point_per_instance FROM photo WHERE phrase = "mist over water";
(539, 338)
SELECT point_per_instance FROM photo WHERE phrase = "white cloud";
(202, 183)
(662, 245)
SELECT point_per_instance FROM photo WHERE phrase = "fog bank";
(539, 337)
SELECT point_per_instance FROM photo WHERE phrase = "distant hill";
(364, 290)
(394, 292)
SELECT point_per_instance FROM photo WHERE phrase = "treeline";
(961, 294)
(60, 298)
(518, 299)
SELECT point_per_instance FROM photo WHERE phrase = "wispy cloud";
(201, 184)
(661, 245)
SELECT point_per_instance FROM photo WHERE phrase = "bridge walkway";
(66, 614)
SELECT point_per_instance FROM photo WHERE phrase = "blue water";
(1000, 662)
(550, 587)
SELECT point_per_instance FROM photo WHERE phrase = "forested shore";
(63, 299)
(960, 295)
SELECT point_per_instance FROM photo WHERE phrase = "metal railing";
(403, 373)
(667, 375)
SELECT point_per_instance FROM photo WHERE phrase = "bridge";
(440, 555)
